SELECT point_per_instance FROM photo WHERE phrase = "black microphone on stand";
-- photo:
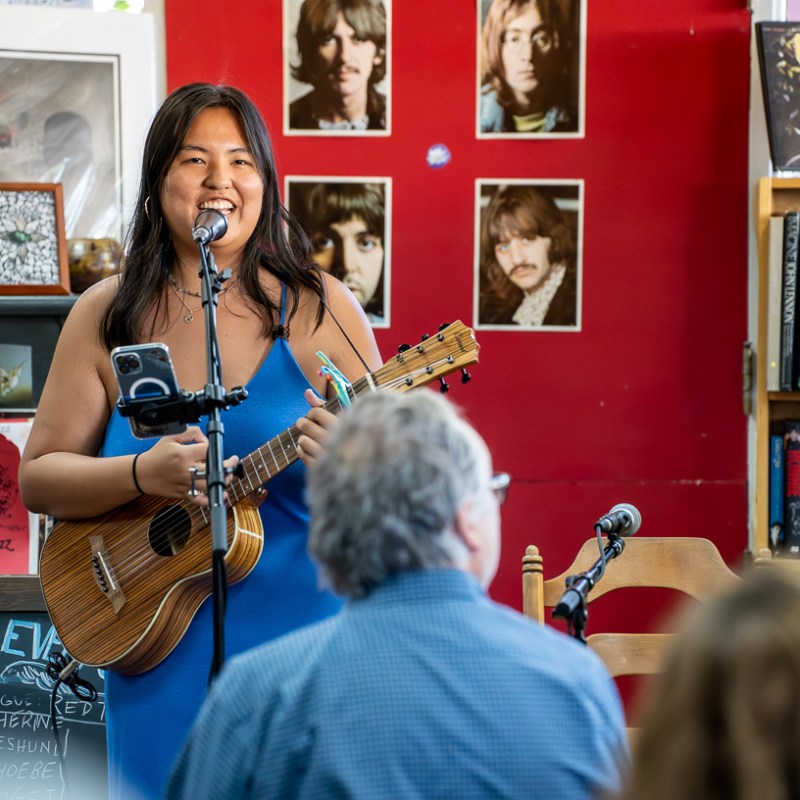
(623, 520)
(209, 226)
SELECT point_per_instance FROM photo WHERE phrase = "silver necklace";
(188, 317)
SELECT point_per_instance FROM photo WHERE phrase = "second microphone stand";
(572, 605)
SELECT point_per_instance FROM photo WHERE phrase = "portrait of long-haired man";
(336, 55)
(530, 65)
(528, 255)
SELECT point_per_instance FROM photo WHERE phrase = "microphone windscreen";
(633, 513)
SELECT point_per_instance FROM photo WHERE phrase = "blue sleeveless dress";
(148, 716)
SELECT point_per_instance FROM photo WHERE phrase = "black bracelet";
(133, 471)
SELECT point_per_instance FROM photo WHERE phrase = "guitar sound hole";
(170, 530)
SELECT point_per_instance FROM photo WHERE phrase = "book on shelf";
(776, 492)
(774, 292)
(791, 506)
(778, 45)
(791, 234)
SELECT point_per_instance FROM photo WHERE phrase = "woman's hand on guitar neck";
(164, 469)
(315, 429)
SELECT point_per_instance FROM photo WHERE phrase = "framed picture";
(77, 92)
(348, 221)
(778, 44)
(531, 69)
(528, 254)
(16, 378)
(336, 68)
(19, 528)
(33, 244)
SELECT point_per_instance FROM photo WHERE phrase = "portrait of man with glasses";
(530, 68)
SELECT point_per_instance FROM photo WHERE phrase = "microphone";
(623, 520)
(209, 226)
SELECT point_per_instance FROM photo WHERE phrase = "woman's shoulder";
(342, 313)
(93, 302)
(337, 299)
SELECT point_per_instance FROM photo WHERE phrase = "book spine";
(791, 230)
(776, 492)
(774, 291)
(791, 508)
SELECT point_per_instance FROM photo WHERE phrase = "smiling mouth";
(224, 206)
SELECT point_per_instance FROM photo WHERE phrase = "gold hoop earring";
(147, 206)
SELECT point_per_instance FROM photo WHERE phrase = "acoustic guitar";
(121, 588)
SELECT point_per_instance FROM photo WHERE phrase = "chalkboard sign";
(29, 762)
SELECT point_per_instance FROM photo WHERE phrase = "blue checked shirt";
(425, 688)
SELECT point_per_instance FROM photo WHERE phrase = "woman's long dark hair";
(148, 244)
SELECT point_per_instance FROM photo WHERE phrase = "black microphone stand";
(572, 605)
(189, 407)
(216, 400)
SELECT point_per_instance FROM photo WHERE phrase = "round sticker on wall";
(438, 156)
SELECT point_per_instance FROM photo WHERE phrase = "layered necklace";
(188, 317)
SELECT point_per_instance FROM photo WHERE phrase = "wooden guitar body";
(122, 588)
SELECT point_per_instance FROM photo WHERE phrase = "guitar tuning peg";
(445, 386)
(424, 337)
(403, 347)
(444, 325)
(465, 376)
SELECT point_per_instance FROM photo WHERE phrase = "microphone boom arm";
(572, 605)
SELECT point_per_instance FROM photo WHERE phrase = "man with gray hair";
(421, 686)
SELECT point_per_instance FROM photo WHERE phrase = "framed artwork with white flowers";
(33, 243)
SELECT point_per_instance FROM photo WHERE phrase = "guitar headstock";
(454, 347)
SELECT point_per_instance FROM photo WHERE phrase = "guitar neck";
(452, 348)
(280, 451)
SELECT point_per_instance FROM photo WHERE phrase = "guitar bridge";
(104, 575)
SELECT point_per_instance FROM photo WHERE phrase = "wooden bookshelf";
(776, 196)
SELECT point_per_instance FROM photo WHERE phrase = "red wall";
(644, 404)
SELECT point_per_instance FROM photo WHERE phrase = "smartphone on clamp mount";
(145, 373)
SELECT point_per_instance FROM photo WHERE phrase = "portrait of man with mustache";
(341, 54)
(528, 272)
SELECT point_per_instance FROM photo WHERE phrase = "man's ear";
(466, 526)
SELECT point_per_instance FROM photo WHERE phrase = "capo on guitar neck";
(339, 382)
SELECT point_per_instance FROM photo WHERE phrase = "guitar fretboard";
(450, 349)
(280, 452)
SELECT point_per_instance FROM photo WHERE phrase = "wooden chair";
(687, 564)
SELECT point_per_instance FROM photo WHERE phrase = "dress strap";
(282, 331)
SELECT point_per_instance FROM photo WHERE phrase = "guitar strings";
(237, 491)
